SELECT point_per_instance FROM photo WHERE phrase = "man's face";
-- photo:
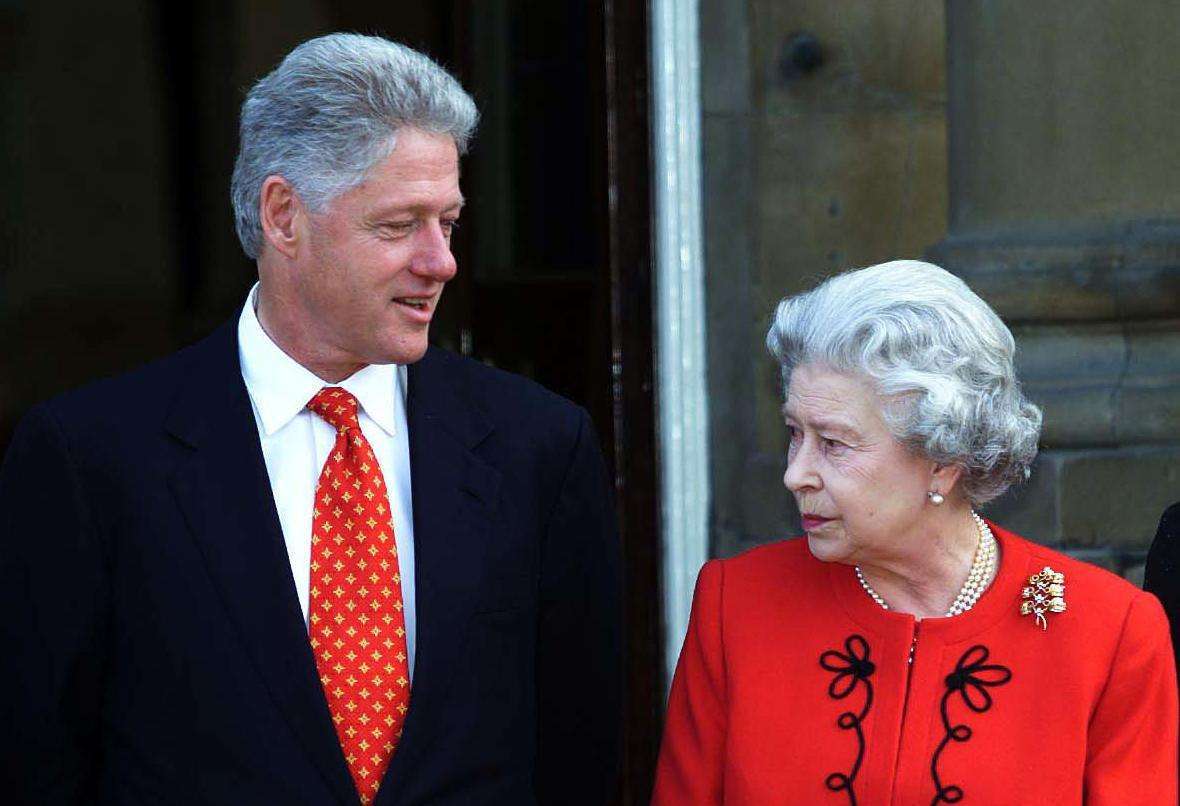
(378, 256)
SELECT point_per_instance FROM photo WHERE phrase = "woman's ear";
(945, 478)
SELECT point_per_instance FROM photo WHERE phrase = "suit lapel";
(224, 492)
(454, 495)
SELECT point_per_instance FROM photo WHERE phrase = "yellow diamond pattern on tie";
(356, 623)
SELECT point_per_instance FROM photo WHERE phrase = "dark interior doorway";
(554, 249)
(558, 247)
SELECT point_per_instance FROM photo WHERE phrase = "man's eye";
(396, 229)
(833, 445)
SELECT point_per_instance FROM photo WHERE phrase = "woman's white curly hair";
(937, 354)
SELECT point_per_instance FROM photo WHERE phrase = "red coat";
(794, 687)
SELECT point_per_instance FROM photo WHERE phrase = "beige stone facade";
(1027, 147)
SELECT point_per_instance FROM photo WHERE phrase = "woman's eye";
(449, 225)
(833, 445)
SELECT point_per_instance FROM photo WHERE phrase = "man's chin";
(403, 349)
(413, 354)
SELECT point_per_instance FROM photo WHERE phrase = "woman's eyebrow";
(824, 423)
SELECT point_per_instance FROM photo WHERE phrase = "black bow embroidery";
(972, 678)
(851, 668)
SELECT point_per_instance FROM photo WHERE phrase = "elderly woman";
(909, 651)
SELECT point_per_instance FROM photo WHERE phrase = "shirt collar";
(280, 386)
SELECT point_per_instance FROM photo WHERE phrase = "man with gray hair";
(311, 559)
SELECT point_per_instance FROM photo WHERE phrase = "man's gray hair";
(330, 112)
(937, 354)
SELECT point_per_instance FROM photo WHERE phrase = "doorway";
(554, 251)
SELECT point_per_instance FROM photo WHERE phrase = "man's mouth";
(417, 303)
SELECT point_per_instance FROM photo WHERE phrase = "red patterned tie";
(357, 629)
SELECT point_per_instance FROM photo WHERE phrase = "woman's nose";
(800, 473)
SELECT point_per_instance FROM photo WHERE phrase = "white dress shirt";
(296, 443)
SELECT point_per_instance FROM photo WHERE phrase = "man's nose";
(433, 257)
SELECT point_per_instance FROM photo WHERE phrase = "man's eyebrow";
(400, 209)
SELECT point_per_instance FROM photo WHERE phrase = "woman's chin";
(826, 547)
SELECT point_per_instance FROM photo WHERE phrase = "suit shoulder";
(1082, 579)
(788, 550)
(771, 578)
(125, 398)
(771, 563)
(1169, 525)
(506, 396)
(1108, 606)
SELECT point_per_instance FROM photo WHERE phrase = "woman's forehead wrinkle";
(817, 405)
(834, 410)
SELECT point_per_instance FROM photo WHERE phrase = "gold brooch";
(1045, 593)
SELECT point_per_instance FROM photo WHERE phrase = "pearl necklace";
(983, 565)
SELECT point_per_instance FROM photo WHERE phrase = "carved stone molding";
(1103, 384)
(1130, 272)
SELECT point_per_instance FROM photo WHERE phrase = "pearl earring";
(935, 497)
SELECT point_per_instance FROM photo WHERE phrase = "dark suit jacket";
(153, 648)
(1162, 576)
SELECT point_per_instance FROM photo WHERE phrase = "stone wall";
(1065, 216)
(809, 168)
(1027, 147)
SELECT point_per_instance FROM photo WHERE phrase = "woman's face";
(861, 493)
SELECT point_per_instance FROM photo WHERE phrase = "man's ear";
(280, 211)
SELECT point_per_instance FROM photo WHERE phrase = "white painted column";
(680, 309)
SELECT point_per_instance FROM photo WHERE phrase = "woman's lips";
(812, 522)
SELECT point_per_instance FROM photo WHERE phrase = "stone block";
(1076, 416)
(734, 351)
(769, 509)
(728, 199)
(1031, 509)
(1052, 354)
(1134, 574)
(770, 430)
(1072, 372)
(766, 510)
(1104, 558)
(925, 192)
(837, 191)
(1103, 384)
(1148, 407)
(725, 58)
(1121, 270)
(1115, 497)
(887, 54)
(1148, 413)
(1063, 112)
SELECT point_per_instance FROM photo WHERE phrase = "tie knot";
(336, 406)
